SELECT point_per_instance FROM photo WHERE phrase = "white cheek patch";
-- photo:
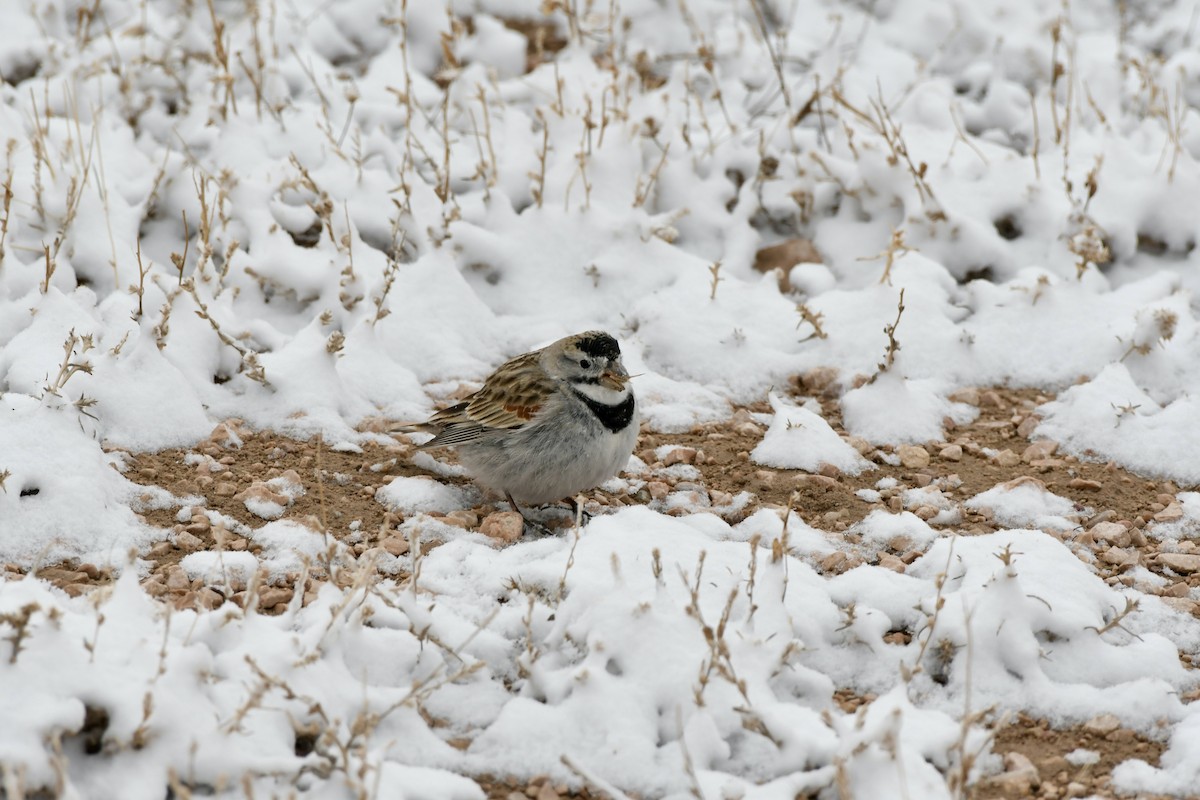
(602, 394)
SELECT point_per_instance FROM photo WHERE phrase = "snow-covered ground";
(309, 214)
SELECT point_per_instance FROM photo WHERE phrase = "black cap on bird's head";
(599, 344)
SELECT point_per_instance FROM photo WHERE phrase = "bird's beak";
(614, 379)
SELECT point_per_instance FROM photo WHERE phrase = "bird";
(547, 424)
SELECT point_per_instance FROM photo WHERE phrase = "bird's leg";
(577, 510)
(530, 525)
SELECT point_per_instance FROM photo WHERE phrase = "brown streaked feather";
(509, 399)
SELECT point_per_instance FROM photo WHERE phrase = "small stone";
(76, 589)
(1012, 784)
(990, 399)
(952, 452)
(1102, 724)
(829, 471)
(926, 513)
(1184, 605)
(820, 380)
(188, 542)
(889, 561)
(1076, 789)
(1183, 563)
(395, 544)
(1119, 557)
(1028, 426)
(1085, 485)
(969, 395)
(1171, 513)
(547, 792)
(160, 549)
(1006, 458)
(1137, 538)
(1178, 589)
(680, 455)
(1111, 532)
(1039, 450)
(273, 595)
(505, 526)
(913, 456)
(1104, 516)
(860, 445)
(209, 598)
(463, 518)
(177, 579)
(658, 489)
(818, 482)
(225, 489)
(834, 562)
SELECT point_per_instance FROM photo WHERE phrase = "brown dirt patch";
(704, 469)
(1046, 750)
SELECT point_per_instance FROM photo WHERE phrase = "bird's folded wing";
(509, 399)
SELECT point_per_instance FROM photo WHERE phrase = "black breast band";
(615, 418)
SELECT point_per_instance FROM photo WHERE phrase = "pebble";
(951, 452)
(1039, 451)
(1028, 426)
(1112, 532)
(969, 395)
(1178, 589)
(505, 526)
(913, 456)
(273, 595)
(1184, 605)
(177, 579)
(1180, 562)
(834, 562)
(658, 489)
(1006, 458)
(819, 482)
(1085, 485)
(188, 542)
(1119, 557)
(209, 598)
(1102, 724)
(861, 445)
(1171, 513)
(1018, 782)
(680, 455)
(990, 399)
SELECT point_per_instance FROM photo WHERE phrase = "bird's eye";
(583, 362)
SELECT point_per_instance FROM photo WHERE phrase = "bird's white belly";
(541, 466)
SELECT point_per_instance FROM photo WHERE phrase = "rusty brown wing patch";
(513, 395)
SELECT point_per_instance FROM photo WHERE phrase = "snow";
(1026, 503)
(372, 204)
(800, 439)
(413, 495)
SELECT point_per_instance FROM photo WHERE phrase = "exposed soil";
(708, 468)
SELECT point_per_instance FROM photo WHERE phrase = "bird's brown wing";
(510, 398)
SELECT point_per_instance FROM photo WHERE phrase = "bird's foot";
(578, 514)
(535, 528)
